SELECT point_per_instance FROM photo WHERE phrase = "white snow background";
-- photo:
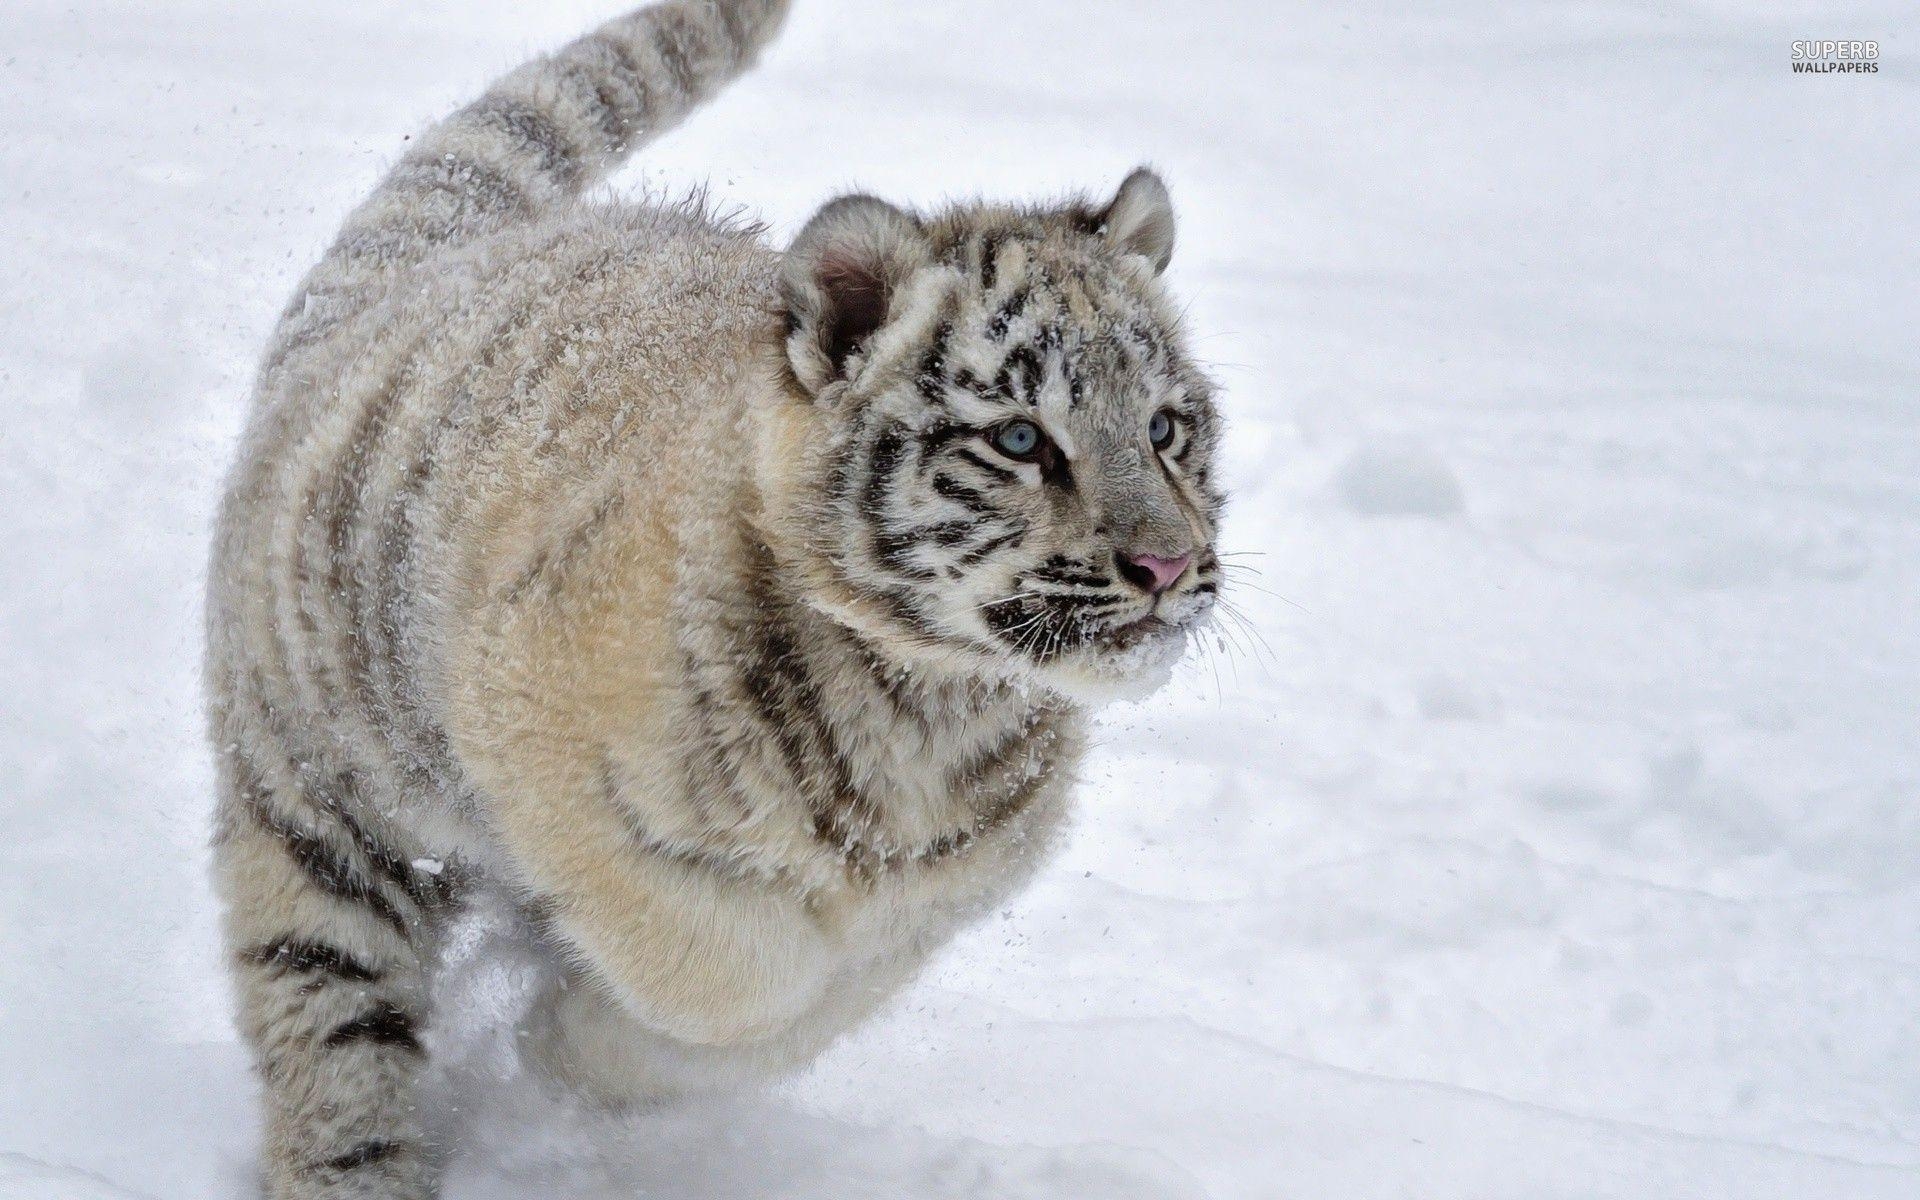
(1553, 832)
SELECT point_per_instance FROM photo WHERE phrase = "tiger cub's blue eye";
(1018, 439)
(1160, 430)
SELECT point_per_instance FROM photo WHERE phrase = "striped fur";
(603, 558)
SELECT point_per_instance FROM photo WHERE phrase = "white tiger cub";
(729, 610)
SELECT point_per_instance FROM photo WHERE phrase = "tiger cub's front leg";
(327, 931)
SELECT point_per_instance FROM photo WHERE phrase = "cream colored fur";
(606, 559)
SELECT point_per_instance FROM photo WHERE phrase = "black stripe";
(947, 533)
(673, 30)
(361, 1155)
(341, 797)
(882, 460)
(1081, 601)
(1016, 800)
(782, 687)
(600, 95)
(935, 361)
(775, 677)
(1145, 335)
(327, 864)
(904, 609)
(939, 436)
(1045, 629)
(892, 548)
(472, 184)
(968, 498)
(1007, 616)
(942, 533)
(1010, 753)
(998, 473)
(990, 259)
(389, 590)
(528, 128)
(628, 74)
(393, 593)
(1003, 318)
(958, 841)
(427, 891)
(713, 759)
(551, 560)
(298, 954)
(1021, 366)
(840, 478)
(971, 773)
(384, 1024)
(1013, 537)
(1071, 576)
(325, 868)
(931, 377)
(339, 503)
(738, 26)
(893, 682)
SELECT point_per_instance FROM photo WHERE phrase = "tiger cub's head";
(998, 454)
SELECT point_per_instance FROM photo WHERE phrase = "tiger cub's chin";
(1098, 675)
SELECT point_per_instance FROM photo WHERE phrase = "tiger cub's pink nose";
(1151, 572)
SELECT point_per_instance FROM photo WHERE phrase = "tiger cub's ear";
(840, 280)
(1139, 220)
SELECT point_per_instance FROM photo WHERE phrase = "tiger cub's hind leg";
(328, 933)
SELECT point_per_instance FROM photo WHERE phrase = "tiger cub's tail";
(536, 139)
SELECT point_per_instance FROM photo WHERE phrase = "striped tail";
(536, 140)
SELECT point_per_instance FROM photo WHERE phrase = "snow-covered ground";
(1548, 828)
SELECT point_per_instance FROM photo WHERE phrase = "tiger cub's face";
(1012, 468)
